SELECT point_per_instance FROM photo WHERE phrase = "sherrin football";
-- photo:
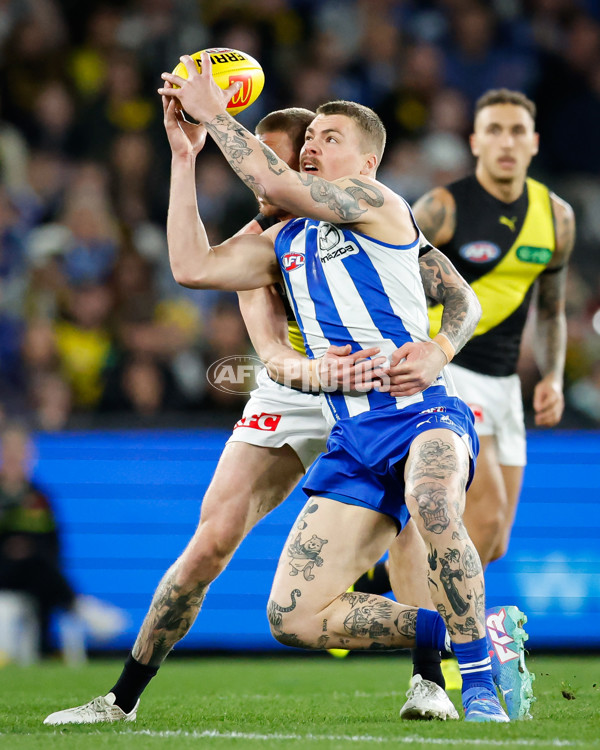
(229, 66)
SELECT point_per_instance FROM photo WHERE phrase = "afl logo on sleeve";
(333, 244)
(480, 252)
(291, 261)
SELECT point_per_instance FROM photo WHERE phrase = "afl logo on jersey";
(291, 261)
(480, 252)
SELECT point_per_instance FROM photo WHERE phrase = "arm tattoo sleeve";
(443, 284)
(550, 341)
(343, 201)
(234, 141)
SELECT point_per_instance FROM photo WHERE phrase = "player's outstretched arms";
(242, 262)
(186, 139)
(268, 176)
(550, 339)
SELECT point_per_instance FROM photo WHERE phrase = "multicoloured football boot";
(506, 638)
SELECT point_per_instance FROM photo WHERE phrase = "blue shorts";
(358, 468)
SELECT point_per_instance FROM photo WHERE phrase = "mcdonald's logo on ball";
(229, 66)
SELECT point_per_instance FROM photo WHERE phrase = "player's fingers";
(405, 390)
(398, 355)
(365, 353)
(232, 90)
(173, 80)
(171, 93)
(549, 416)
(192, 68)
(400, 372)
(206, 65)
(370, 365)
(339, 351)
(172, 105)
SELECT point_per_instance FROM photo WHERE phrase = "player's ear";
(536, 143)
(473, 144)
(370, 165)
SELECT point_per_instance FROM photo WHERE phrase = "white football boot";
(426, 700)
(101, 709)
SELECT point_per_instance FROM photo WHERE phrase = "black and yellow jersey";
(500, 249)
(294, 335)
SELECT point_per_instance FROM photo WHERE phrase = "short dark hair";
(505, 96)
(368, 122)
(293, 121)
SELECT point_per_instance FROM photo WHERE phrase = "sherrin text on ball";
(229, 66)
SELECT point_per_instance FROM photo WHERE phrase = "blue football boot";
(506, 637)
(482, 704)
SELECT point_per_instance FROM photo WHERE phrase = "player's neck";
(506, 191)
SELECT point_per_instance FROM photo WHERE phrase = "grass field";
(288, 701)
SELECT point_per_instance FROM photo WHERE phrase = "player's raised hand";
(198, 95)
(185, 138)
(548, 402)
(413, 367)
(340, 369)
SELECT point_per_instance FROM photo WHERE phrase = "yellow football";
(229, 66)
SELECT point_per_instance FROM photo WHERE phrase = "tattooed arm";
(445, 285)
(194, 262)
(417, 364)
(435, 213)
(354, 199)
(550, 339)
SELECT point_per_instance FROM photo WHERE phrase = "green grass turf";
(288, 702)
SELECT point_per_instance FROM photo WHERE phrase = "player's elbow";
(185, 278)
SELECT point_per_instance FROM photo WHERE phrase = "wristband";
(443, 343)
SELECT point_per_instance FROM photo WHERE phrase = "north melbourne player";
(352, 272)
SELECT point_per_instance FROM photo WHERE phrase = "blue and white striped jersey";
(348, 288)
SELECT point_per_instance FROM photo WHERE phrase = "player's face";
(504, 141)
(333, 148)
(280, 142)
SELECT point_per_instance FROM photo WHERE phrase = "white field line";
(407, 740)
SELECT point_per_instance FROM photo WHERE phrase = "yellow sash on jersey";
(295, 337)
(503, 289)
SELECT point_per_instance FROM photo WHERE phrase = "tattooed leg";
(330, 544)
(171, 614)
(229, 510)
(436, 474)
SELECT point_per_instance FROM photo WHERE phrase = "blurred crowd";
(93, 329)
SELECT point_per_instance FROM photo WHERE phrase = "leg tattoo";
(171, 615)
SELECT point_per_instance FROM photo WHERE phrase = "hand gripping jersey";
(500, 249)
(348, 288)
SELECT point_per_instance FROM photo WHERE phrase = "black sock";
(132, 683)
(428, 663)
(374, 581)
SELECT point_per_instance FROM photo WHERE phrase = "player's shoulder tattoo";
(564, 226)
(435, 214)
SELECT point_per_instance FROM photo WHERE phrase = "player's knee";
(288, 626)
(491, 522)
(501, 547)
